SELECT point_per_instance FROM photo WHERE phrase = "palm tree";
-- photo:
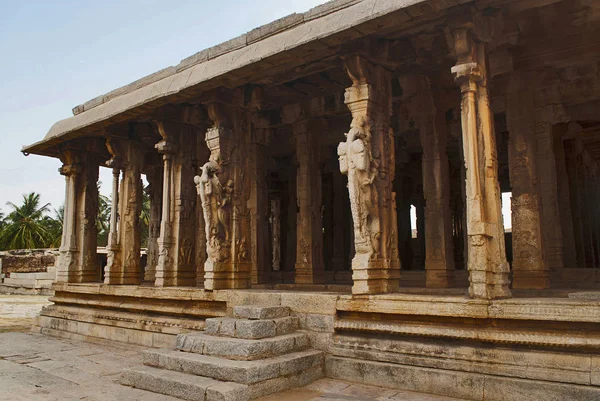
(103, 219)
(145, 218)
(54, 226)
(25, 227)
(1, 221)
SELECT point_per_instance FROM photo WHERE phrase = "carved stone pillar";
(551, 225)
(78, 262)
(529, 268)
(177, 255)
(309, 246)
(564, 198)
(123, 262)
(367, 157)
(258, 205)
(154, 190)
(488, 268)
(439, 254)
(224, 189)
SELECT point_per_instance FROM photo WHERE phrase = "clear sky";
(56, 54)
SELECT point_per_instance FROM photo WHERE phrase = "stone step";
(28, 283)
(35, 276)
(243, 372)
(258, 312)
(242, 349)
(183, 385)
(250, 329)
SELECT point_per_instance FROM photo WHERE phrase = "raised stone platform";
(547, 338)
(255, 353)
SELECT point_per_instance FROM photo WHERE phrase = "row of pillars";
(226, 245)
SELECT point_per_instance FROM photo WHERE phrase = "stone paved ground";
(40, 368)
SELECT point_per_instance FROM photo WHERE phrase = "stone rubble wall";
(27, 260)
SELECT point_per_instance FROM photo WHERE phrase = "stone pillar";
(529, 268)
(78, 262)
(123, 265)
(488, 268)
(154, 190)
(367, 157)
(177, 255)
(564, 201)
(224, 189)
(439, 254)
(571, 162)
(340, 196)
(309, 246)
(551, 225)
(113, 248)
(258, 204)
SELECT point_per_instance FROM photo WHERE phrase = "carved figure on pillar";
(224, 190)
(488, 268)
(367, 158)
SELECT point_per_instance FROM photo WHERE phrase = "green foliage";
(30, 225)
(27, 226)
(145, 219)
(103, 220)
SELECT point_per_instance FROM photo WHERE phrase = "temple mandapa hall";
(283, 167)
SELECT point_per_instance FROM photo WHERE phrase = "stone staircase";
(257, 352)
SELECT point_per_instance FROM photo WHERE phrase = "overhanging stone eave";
(205, 76)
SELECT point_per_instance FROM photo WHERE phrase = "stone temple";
(283, 166)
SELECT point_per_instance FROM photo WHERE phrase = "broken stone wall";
(27, 260)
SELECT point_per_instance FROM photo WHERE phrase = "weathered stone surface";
(244, 372)
(27, 261)
(449, 383)
(260, 312)
(251, 329)
(182, 385)
(242, 349)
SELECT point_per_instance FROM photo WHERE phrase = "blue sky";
(57, 54)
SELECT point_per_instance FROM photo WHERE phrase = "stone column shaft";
(124, 262)
(488, 268)
(375, 266)
(155, 194)
(177, 255)
(309, 247)
(529, 268)
(258, 204)
(78, 258)
(224, 190)
(564, 201)
(439, 253)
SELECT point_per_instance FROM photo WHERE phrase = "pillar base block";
(178, 281)
(122, 280)
(223, 276)
(439, 278)
(537, 280)
(305, 274)
(375, 279)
